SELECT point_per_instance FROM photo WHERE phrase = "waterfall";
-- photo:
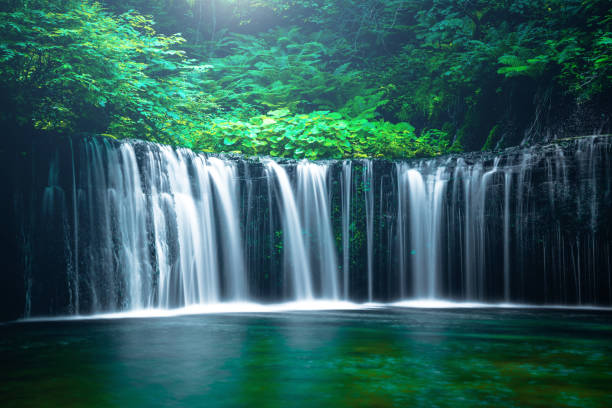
(75, 223)
(224, 178)
(346, 184)
(522, 211)
(368, 191)
(507, 187)
(131, 209)
(183, 227)
(402, 225)
(315, 219)
(295, 257)
(117, 226)
(425, 199)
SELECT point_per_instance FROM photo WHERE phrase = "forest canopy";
(303, 78)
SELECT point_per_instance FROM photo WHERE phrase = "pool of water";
(379, 357)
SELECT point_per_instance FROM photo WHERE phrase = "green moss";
(492, 138)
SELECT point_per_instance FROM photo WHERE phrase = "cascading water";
(296, 258)
(130, 225)
(183, 228)
(368, 191)
(507, 187)
(224, 178)
(316, 222)
(424, 199)
(346, 185)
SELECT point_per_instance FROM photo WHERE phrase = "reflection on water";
(384, 357)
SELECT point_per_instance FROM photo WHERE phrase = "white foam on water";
(437, 304)
(447, 304)
(218, 308)
(304, 306)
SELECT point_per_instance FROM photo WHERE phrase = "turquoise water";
(370, 358)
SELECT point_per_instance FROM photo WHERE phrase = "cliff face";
(97, 225)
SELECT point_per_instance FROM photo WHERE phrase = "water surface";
(371, 358)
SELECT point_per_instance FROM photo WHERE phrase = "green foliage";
(492, 138)
(74, 68)
(514, 66)
(317, 135)
(299, 78)
(490, 59)
(279, 69)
